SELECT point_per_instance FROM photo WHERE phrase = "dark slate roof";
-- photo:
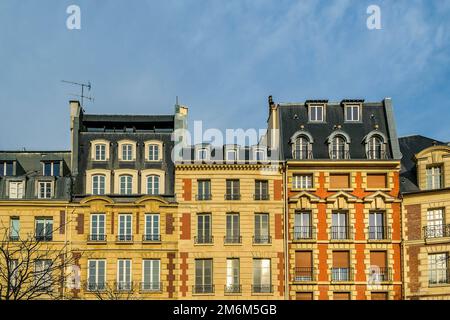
(139, 122)
(29, 169)
(217, 154)
(294, 115)
(409, 147)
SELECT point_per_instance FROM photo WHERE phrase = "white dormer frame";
(99, 142)
(200, 148)
(313, 113)
(231, 149)
(350, 106)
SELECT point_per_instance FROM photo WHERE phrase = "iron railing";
(203, 196)
(233, 288)
(204, 239)
(97, 237)
(302, 154)
(151, 287)
(262, 288)
(262, 239)
(379, 233)
(261, 196)
(203, 288)
(232, 196)
(303, 274)
(341, 233)
(339, 155)
(124, 238)
(341, 274)
(377, 275)
(439, 231)
(232, 239)
(304, 233)
(151, 238)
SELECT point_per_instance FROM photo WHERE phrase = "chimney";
(180, 131)
(75, 113)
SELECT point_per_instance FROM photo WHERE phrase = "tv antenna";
(82, 85)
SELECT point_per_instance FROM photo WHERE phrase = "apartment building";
(231, 223)
(341, 177)
(425, 185)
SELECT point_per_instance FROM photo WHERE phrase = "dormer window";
(202, 154)
(231, 155)
(375, 148)
(6, 168)
(316, 113)
(338, 145)
(301, 149)
(51, 169)
(352, 113)
(127, 152)
(260, 155)
(100, 152)
(153, 152)
(434, 177)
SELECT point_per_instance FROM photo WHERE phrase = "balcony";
(203, 288)
(124, 238)
(344, 233)
(262, 288)
(232, 239)
(123, 286)
(436, 232)
(262, 239)
(261, 197)
(151, 287)
(233, 288)
(379, 233)
(232, 196)
(203, 197)
(203, 239)
(151, 238)
(303, 274)
(341, 275)
(304, 233)
(96, 238)
(95, 286)
(43, 238)
(379, 275)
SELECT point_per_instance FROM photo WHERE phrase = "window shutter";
(341, 259)
(339, 181)
(376, 181)
(303, 259)
(378, 258)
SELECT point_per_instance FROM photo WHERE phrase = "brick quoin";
(170, 275)
(413, 274)
(277, 190)
(169, 223)
(185, 222)
(187, 189)
(281, 273)
(413, 222)
(62, 222)
(278, 226)
(184, 276)
(359, 224)
(80, 223)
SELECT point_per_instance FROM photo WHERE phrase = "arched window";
(338, 148)
(302, 148)
(98, 184)
(375, 148)
(126, 184)
(153, 184)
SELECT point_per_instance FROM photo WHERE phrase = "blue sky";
(222, 58)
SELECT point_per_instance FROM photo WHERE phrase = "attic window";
(231, 155)
(352, 113)
(316, 113)
(202, 154)
(50, 168)
(6, 168)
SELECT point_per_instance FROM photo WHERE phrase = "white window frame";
(48, 223)
(335, 148)
(203, 151)
(153, 284)
(19, 190)
(152, 150)
(126, 187)
(96, 275)
(313, 113)
(434, 177)
(233, 273)
(153, 190)
(262, 272)
(150, 220)
(45, 280)
(125, 227)
(124, 274)
(95, 232)
(98, 190)
(435, 223)
(234, 157)
(349, 115)
(438, 268)
(100, 152)
(127, 152)
(303, 181)
(48, 192)
(260, 151)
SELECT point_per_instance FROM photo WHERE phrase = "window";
(316, 113)
(100, 152)
(97, 227)
(44, 229)
(45, 190)
(303, 266)
(261, 229)
(434, 177)
(261, 190)
(204, 228)
(435, 224)
(14, 273)
(96, 275)
(339, 226)
(204, 190)
(302, 148)
(127, 152)
(153, 185)
(260, 155)
(43, 274)
(341, 266)
(125, 227)
(339, 181)
(379, 296)
(202, 154)
(14, 229)
(302, 181)
(438, 268)
(6, 168)
(98, 184)
(203, 276)
(302, 225)
(304, 296)
(233, 281)
(262, 282)
(352, 113)
(231, 155)
(233, 234)
(50, 169)
(126, 184)
(377, 228)
(375, 148)
(16, 189)
(153, 152)
(338, 148)
(233, 190)
(341, 296)
(124, 275)
(151, 275)
(378, 270)
(376, 181)
(152, 228)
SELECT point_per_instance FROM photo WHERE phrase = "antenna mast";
(82, 85)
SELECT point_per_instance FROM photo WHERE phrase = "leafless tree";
(109, 291)
(31, 268)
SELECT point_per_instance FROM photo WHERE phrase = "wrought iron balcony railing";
(379, 275)
(43, 238)
(261, 196)
(232, 239)
(304, 233)
(379, 233)
(376, 155)
(262, 239)
(204, 239)
(341, 233)
(203, 197)
(232, 196)
(440, 276)
(439, 231)
(97, 238)
(123, 286)
(151, 238)
(339, 155)
(302, 154)
(233, 288)
(341, 274)
(124, 238)
(262, 288)
(203, 288)
(95, 286)
(303, 274)
(151, 287)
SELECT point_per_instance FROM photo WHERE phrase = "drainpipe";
(286, 232)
